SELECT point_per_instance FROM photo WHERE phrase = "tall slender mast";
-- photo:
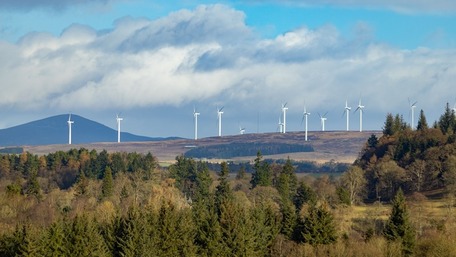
(118, 119)
(219, 115)
(347, 110)
(284, 111)
(70, 122)
(305, 116)
(195, 114)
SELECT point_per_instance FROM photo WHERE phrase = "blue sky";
(155, 61)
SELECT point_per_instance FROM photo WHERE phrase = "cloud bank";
(209, 55)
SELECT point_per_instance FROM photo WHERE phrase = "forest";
(88, 203)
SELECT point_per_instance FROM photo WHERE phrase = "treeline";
(187, 211)
(415, 160)
(227, 151)
(62, 169)
(300, 166)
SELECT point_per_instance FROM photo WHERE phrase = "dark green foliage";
(261, 175)
(176, 232)
(289, 217)
(343, 195)
(422, 123)
(82, 183)
(304, 194)
(184, 172)
(287, 182)
(447, 121)
(223, 190)
(317, 227)
(53, 243)
(32, 187)
(388, 128)
(84, 239)
(13, 189)
(228, 151)
(399, 226)
(107, 188)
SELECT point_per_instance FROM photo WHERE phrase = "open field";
(339, 146)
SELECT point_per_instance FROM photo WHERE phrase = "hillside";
(54, 130)
(329, 145)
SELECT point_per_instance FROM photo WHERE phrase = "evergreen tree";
(261, 175)
(82, 183)
(388, 128)
(33, 187)
(304, 194)
(84, 239)
(317, 227)
(447, 120)
(132, 235)
(208, 235)
(223, 190)
(399, 226)
(54, 241)
(107, 188)
(422, 123)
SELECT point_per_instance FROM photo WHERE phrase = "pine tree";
(82, 183)
(388, 128)
(54, 241)
(261, 175)
(304, 194)
(399, 226)
(84, 239)
(447, 120)
(223, 190)
(33, 187)
(107, 188)
(422, 123)
(317, 227)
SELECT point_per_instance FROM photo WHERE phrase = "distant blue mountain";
(54, 130)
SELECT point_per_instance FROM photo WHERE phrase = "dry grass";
(329, 145)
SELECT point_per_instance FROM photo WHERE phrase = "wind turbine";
(347, 113)
(304, 116)
(323, 120)
(241, 130)
(412, 112)
(118, 119)
(69, 128)
(284, 112)
(219, 117)
(360, 109)
(195, 115)
(280, 125)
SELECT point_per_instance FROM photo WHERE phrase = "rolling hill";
(54, 130)
(338, 146)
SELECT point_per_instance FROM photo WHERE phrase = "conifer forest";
(397, 199)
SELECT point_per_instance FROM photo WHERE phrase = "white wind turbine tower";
(360, 109)
(219, 117)
(118, 119)
(195, 115)
(412, 113)
(304, 116)
(284, 112)
(241, 130)
(347, 113)
(69, 128)
(280, 125)
(323, 120)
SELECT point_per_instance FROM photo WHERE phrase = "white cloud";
(404, 6)
(207, 56)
